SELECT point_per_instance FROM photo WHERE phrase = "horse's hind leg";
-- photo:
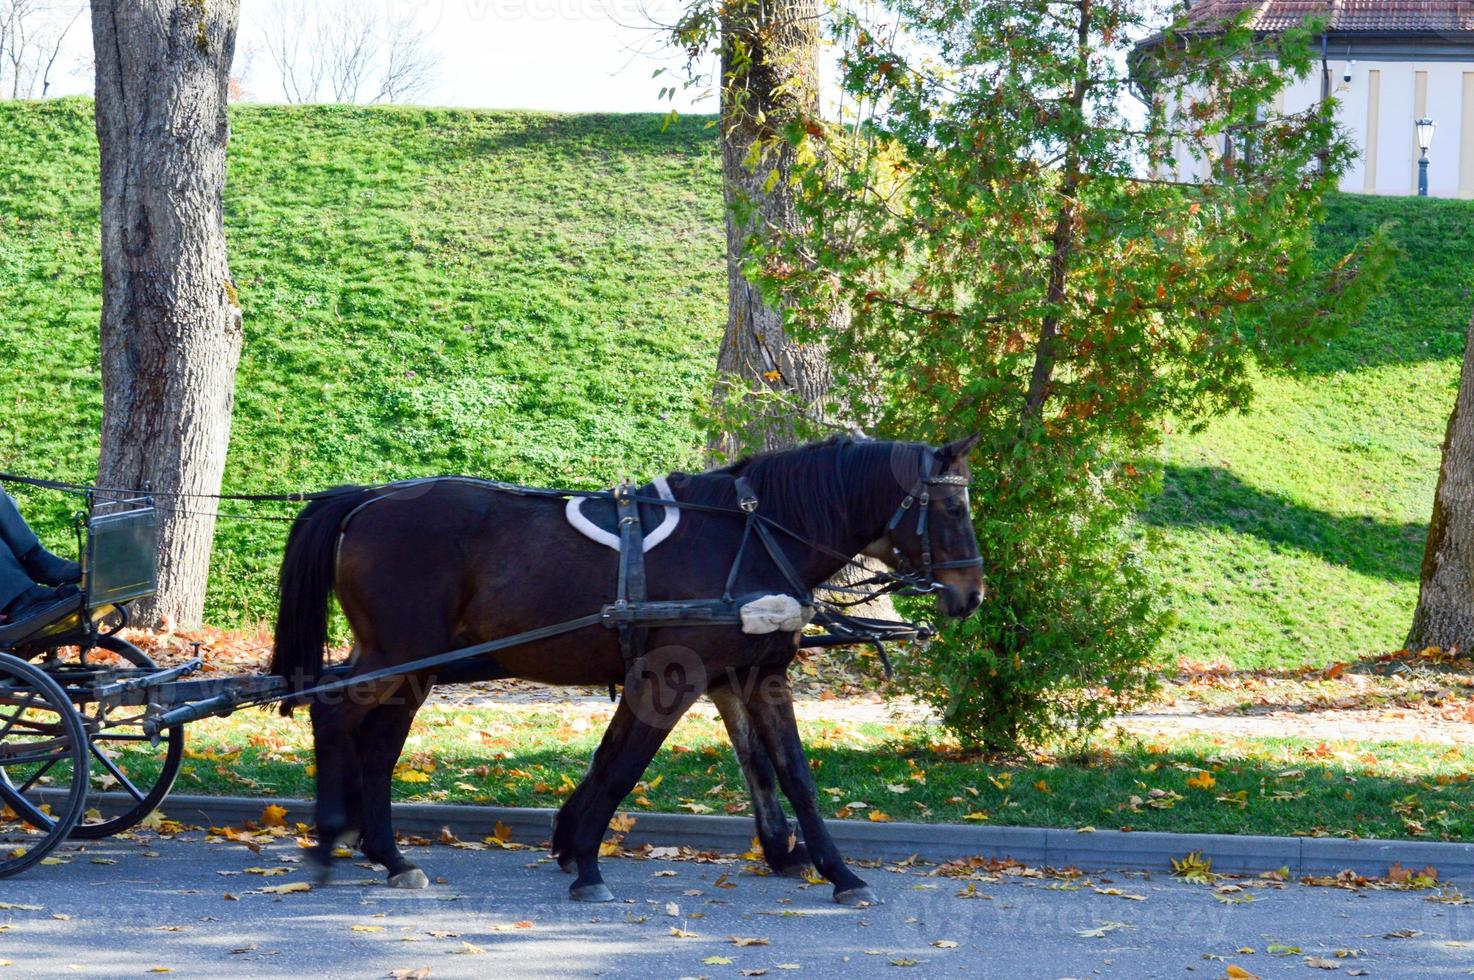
(771, 711)
(383, 734)
(784, 854)
(339, 784)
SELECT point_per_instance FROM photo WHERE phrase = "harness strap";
(747, 499)
(631, 586)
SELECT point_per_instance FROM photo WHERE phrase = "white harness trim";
(594, 532)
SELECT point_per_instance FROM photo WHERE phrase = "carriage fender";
(775, 613)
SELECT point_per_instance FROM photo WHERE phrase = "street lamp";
(1424, 128)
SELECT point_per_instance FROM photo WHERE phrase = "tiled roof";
(1342, 15)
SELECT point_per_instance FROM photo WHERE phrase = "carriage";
(76, 696)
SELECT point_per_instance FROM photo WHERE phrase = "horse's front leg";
(770, 706)
(646, 714)
(784, 854)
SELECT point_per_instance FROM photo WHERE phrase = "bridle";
(923, 580)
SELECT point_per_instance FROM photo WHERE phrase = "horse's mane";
(812, 489)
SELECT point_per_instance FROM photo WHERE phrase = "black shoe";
(36, 601)
(49, 569)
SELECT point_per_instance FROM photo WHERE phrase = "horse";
(429, 566)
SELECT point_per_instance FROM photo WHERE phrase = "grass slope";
(1295, 531)
(538, 298)
(532, 297)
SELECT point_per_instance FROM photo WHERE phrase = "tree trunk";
(1445, 614)
(770, 78)
(170, 335)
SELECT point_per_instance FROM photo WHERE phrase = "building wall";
(1381, 101)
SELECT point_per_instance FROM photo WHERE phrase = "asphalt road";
(123, 908)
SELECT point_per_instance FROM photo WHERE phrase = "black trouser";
(16, 539)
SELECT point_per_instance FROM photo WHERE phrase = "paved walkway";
(125, 908)
(1369, 725)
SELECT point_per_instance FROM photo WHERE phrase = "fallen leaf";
(368, 928)
(1321, 963)
(1203, 780)
(718, 961)
(1100, 930)
(417, 973)
(748, 941)
(470, 949)
(287, 889)
(944, 943)
(682, 933)
(1239, 973)
(274, 816)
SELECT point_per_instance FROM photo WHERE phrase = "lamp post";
(1424, 129)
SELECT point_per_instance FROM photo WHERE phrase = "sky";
(564, 55)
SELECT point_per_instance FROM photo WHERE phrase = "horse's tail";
(308, 573)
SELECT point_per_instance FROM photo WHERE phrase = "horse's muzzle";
(958, 603)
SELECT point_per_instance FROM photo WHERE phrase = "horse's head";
(930, 537)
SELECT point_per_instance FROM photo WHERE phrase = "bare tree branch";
(32, 33)
(347, 51)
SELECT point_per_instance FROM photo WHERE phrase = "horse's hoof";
(598, 892)
(349, 839)
(322, 865)
(412, 878)
(858, 897)
(796, 863)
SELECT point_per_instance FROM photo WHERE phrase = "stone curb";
(1114, 849)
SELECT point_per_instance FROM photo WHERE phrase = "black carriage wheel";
(124, 730)
(42, 743)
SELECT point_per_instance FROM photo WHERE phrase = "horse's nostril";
(974, 599)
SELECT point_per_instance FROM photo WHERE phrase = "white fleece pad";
(775, 613)
(594, 532)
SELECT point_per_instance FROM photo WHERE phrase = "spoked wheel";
(124, 760)
(43, 765)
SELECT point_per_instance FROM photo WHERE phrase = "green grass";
(532, 297)
(538, 298)
(1260, 786)
(1294, 532)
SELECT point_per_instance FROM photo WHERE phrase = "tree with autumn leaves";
(986, 213)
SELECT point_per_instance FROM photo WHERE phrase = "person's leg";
(14, 582)
(38, 563)
(14, 530)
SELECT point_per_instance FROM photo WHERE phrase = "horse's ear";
(954, 451)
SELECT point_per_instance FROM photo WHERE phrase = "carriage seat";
(24, 629)
(597, 519)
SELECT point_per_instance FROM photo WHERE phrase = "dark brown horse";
(430, 566)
